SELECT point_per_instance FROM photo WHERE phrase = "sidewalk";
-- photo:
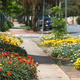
(22, 30)
(48, 70)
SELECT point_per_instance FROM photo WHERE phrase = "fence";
(2, 19)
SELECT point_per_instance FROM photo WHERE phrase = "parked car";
(47, 23)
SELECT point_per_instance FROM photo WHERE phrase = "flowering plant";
(52, 37)
(15, 67)
(47, 37)
(59, 42)
(7, 38)
(71, 51)
(77, 64)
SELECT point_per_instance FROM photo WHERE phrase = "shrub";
(4, 26)
(59, 23)
(10, 24)
(13, 48)
(27, 27)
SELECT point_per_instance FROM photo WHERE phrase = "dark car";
(48, 24)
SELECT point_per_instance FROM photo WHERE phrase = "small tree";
(59, 23)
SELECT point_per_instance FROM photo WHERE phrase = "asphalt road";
(74, 30)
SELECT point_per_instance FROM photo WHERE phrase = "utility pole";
(65, 10)
(59, 2)
(43, 16)
(56, 2)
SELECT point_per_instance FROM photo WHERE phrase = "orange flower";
(21, 60)
(24, 60)
(8, 73)
(10, 62)
(37, 64)
(29, 63)
(12, 55)
(1, 49)
(35, 76)
(18, 57)
(29, 56)
(5, 54)
(2, 53)
(26, 63)
(0, 69)
(15, 54)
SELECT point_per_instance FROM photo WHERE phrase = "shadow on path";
(42, 59)
(17, 28)
(73, 32)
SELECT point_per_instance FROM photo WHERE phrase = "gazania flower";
(5, 54)
(1, 49)
(26, 63)
(15, 54)
(21, 60)
(0, 64)
(37, 64)
(18, 57)
(8, 73)
(10, 62)
(29, 56)
(0, 69)
(2, 53)
(29, 63)
(24, 60)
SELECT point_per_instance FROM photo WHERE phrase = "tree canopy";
(73, 7)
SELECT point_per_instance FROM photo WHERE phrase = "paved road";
(73, 30)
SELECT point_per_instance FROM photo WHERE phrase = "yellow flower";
(71, 60)
(0, 64)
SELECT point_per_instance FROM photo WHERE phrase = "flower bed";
(67, 51)
(10, 39)
(67, 48)
(52, 37)
(14, 62)
(15, 67)
(59, 42)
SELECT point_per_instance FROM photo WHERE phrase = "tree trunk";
(33, 20)
(27, 20)
(34, 26)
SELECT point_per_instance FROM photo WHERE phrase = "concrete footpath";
(47, 69)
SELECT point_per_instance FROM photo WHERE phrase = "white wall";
(72, 20)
